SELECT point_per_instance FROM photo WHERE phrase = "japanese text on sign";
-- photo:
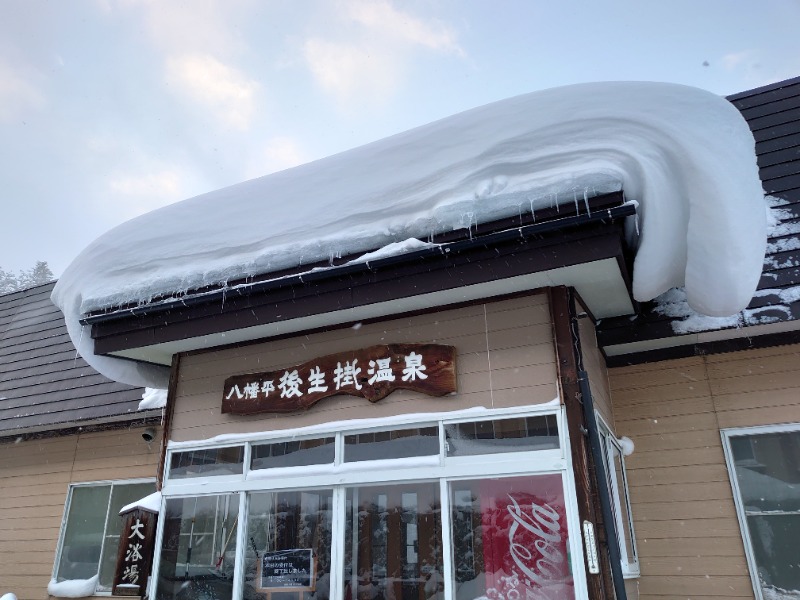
(372, 373)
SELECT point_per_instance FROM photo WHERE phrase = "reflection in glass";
(393, 548)
(395, 443)
(509, 539)
(504, 435)
(293, 453)
(214, 461)
(767, 472)
(282, 527)
(83, 538)
(198, 549)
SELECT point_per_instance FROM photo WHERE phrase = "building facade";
(493, 417)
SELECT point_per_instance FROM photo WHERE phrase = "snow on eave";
(685, 154)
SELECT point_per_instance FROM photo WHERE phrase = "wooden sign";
(372, 373)
(287, 571)
(135, 554)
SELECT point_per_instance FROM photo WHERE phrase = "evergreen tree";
(38, 274)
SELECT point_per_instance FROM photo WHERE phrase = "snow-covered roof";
(684, 154)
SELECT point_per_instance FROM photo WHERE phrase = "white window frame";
(110, 483)
(619, 495)
(440, 469)
(727, 434)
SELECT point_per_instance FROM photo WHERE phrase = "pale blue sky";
(111, 108)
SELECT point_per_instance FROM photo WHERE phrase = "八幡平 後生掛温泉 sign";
(372, 373)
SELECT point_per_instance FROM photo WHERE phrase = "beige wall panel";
(673, 441)
(687, 565)
(595, 366)
(714, 529)
(678, 458)
(34, 481)
(681, 497)
(704, 490)
(513, 337)
(664, 393)
(673, 408)
(694, 586)
(691, 370)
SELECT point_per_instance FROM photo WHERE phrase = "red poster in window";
(524, 529)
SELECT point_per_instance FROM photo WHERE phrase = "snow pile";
(8, 596)
(685, 154)
(626, 444)
(72, 588)
(153, 398)
(775, 593)
(151, 503)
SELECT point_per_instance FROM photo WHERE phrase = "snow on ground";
(153, 398)
(8, 596)
(685, 154)
(72, 588)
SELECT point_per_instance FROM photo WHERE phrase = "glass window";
(617, 481)
(198, 549)
(509, 539)
(766, 467)
(503, 435)
(396, 443)
(91, 532)
(294, 453)
(288, 556)
(203, 463)
(393, 548)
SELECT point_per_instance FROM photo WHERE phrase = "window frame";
(439, 469)
(741, 514)
(110, 483)
(619, 494)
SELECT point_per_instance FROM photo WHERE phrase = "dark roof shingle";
(44, 383)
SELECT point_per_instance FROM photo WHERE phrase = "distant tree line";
(38, 274)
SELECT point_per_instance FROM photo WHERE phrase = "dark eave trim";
(520, 251)
(783, 338)
(310, 277)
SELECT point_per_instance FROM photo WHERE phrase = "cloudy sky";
(112, 108)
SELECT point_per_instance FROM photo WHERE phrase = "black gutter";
(612, 539)
(247, 289)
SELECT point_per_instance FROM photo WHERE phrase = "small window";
(503, 435)
(765, 471)
(396, 443)
(294, 453)
(91, 530)
(617, 481)
(204, 463)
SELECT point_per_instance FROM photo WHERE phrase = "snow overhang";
(582, 250)
(684, 154)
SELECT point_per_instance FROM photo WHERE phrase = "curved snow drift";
(685, 154)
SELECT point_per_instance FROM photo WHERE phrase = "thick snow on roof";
(685, 154)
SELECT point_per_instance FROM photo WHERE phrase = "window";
(91, 528)
(618, 488)
(764, 465)
(446, 507)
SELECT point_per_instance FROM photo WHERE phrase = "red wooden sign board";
(372, 373)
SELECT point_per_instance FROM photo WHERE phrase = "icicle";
(586, 201)
(558, 208)
(533, 212)
(575, 199)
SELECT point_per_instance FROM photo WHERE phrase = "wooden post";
(135, 553)
(562, 310)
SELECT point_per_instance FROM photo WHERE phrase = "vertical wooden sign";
(135, 554)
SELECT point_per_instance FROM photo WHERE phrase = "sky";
(113, 108)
